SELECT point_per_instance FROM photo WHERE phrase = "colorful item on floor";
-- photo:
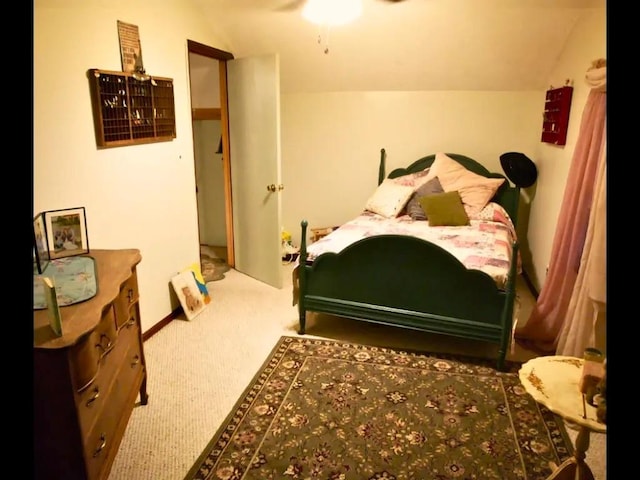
(202, 286)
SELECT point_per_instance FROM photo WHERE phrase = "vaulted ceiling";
(406, 45)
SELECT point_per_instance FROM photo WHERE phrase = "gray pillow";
(414, 209)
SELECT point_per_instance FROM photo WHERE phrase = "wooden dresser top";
(113, 268)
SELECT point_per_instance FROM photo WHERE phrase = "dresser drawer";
(133, 362)
(91, 401)
(112, 420)
(85, 356)
(101, 441)
(130, 377)
(127, 297)
(131, 328)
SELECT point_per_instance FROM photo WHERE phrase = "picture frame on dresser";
(41, 255)
(66, 232)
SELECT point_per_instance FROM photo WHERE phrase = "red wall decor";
(555, 121)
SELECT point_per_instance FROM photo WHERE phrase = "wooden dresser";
(87, 381)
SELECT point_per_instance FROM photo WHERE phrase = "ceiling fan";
(291, 5)
(327, 14)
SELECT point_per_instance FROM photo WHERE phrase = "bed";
(383, 267)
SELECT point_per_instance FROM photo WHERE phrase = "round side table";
(554, 381)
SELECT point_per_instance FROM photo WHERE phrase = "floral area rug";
(213, 266)
(321, 409)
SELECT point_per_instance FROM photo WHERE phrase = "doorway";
(250, 137)
(211, 147)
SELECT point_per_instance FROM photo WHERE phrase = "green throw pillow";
(445, 209)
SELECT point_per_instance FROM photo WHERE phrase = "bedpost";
(381, 167)
(302, 278)
(516, 205)
(507, 313)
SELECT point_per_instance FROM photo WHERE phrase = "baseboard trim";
(161, 324)
(529, 283)
(178, 311)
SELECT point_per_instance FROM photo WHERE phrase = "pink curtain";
(586, 316)
(542, 330)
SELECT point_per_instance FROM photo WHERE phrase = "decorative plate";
(73, 277)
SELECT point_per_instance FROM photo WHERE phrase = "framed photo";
(188, 293)
(40, 244)
(66, 232)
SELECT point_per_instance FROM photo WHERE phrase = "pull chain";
(326, 29)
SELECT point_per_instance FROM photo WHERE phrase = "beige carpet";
(198, 369)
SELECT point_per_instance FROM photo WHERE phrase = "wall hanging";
(555, 121)
(131, 107)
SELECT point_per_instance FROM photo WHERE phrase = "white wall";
(205, 93)
(587, 43)
(331, 142)
(137, 196)
(205, 81)
(210, 180)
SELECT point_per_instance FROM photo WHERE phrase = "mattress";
(485, 244)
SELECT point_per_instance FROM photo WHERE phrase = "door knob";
(273, 188)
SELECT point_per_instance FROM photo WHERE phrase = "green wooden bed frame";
(411, 283)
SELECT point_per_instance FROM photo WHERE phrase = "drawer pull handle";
(103, 443)
(101, 344)
(136, 361)
(94, 397)
(130, 295)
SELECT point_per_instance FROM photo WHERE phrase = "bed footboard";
(407, 282)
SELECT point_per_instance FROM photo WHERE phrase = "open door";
(253, 88)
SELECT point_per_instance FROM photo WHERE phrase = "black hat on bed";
(519, 169)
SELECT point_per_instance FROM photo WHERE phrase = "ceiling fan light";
(332, 12)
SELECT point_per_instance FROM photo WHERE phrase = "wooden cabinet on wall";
(87, 381)
(127, 111)
(555, 121)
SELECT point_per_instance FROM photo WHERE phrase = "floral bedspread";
(484, 245)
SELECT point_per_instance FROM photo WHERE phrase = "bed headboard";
(507, 196)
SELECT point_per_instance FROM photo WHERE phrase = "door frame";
(222, 57)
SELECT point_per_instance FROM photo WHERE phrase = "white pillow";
(475, 190)
(389, 198)
(414, 180)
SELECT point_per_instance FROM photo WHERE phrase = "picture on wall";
(40, 244)
(66, 232)
(130, 50)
